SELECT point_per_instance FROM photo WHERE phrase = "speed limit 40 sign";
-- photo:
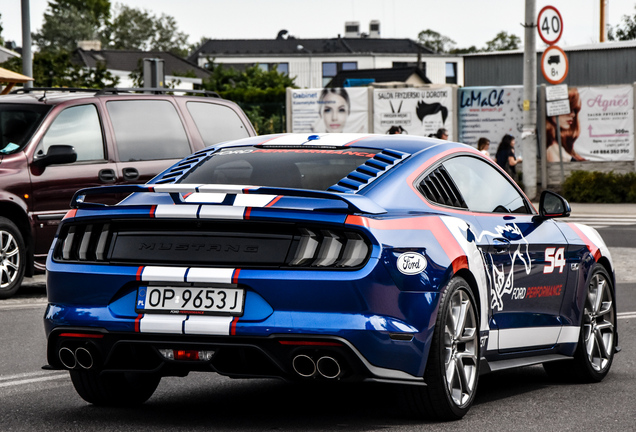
(550, 25)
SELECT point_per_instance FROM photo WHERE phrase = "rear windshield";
(18, 123)
(305, 168)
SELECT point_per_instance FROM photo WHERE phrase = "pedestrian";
(506, 157)
(396, 130)
(483, 145)
(441, 134)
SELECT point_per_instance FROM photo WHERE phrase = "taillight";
(329, 248)
(85, 242)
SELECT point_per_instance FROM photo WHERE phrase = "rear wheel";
(452, 370)
(12, 258)
(597, 339)
(114, 389)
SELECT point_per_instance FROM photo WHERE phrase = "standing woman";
(506, 157)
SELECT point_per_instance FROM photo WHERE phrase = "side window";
(79, 127)
(483, 188)
(216, 123)
(148, 130)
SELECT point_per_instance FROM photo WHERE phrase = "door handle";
(501, 245)
(107, 175)
(130, 173)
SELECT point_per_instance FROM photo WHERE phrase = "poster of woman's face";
(330, 110)
(334, 109)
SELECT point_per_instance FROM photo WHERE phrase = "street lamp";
(302, 48)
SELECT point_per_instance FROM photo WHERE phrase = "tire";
(12, 258)
(454, 354)
(114, 389)
(597, 339)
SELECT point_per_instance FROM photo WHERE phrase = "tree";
(436, 42)
(136, 29)
(260, 93)
(624, 31)
(503, 42)
(1, 39)
(55, 69)
(66, 22)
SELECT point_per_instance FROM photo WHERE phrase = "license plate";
(190, 300)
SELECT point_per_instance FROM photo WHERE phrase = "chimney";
(374, 29)
(352, 29)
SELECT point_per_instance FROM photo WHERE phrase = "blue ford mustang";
(344, 257)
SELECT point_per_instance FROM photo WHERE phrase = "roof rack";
(51, 89)
(156, 90)
(115, 90)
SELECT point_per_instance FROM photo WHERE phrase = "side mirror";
(57, 154)
(552, 205)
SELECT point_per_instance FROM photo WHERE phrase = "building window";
(280, 67)
(331, 69)
(451, 73)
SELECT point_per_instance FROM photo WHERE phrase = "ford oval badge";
(411, 263)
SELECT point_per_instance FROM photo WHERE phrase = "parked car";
(386, 258)
(56, 141)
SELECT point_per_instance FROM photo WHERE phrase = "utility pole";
(603, 24)
(27, 59)
(529, 134)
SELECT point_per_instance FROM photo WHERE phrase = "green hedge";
(598, 187)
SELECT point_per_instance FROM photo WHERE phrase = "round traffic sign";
(554, 65)
(550, 25)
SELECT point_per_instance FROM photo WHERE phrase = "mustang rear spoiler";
(178, 193)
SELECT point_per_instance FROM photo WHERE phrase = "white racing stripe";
(31, 377)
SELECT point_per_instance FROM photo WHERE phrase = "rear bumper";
(291, 358)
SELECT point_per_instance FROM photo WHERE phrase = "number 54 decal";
(554, 258)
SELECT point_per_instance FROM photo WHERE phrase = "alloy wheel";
(599, 323)
(9, 259)
(460, 345)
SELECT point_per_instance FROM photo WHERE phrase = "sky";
(467, 22)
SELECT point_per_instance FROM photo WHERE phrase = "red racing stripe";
(139, 317)
(235, 276)
(594, 250)
(274, 201)
(140, 270)
(435, 225)
(233, 326)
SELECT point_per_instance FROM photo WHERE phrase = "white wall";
(299, 65)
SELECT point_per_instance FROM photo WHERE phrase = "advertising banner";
(490, 112)
(600, 126)
(419, 111)
(330, 110)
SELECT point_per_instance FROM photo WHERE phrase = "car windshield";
(18, 123)
(302, 168)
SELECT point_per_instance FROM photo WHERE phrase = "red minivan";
(56, 141)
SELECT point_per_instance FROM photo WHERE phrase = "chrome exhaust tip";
(67, 357)
(304, 366)
(84, 358)
(328, 367)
